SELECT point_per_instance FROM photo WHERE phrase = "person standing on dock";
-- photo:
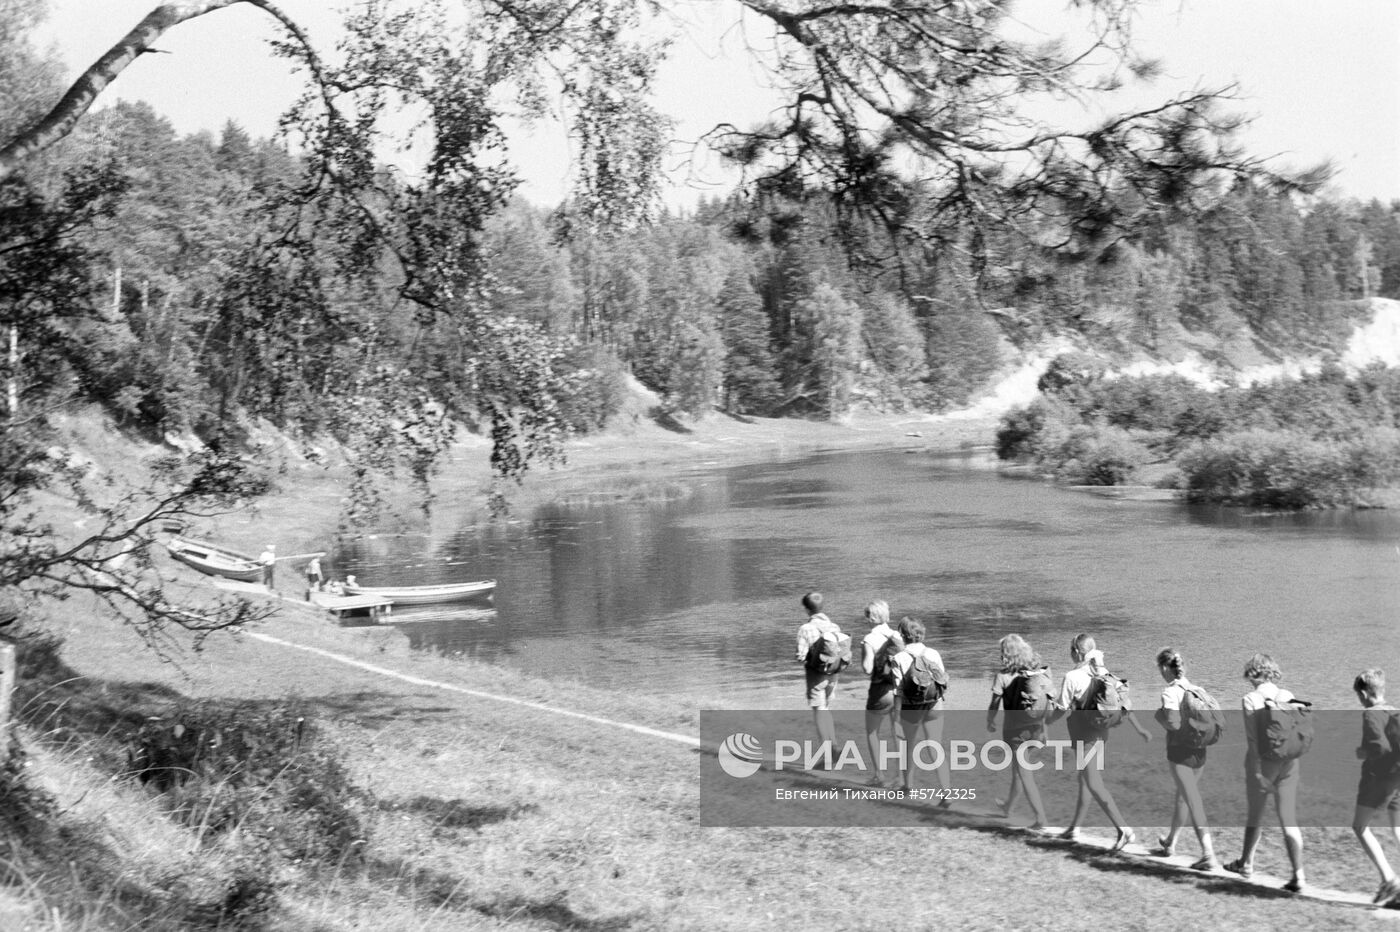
(314, 579)
(268, 559)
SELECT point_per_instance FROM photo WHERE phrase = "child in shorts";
(1379, 787)
(1018, 659)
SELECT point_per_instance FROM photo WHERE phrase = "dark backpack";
(1105, 701)
(925, 683)
(1285, 729)
(829, 653)
(1202, 722)
(1029, 692)
(884, 669)
(1392, 735)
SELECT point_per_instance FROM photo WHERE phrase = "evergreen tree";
(235, 152)
(895, 348)
(530, 274)
(750, 368)
(1381, 224)
(828, 328)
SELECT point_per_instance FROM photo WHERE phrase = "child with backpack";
(1185, 714)
(877, 653)
(1022, 687)
(1095, 701)
(1379, 787)
(922, 682)
(1274, 727)
(824, 652)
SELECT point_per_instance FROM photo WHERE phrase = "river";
(696, 600)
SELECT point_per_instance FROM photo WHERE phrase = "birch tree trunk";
(59, 121)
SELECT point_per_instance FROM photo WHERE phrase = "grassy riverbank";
(482, 814)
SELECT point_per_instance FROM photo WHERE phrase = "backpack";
(884, 669)
(1105, 701)
(1202, 722)
(1285, 729)
(1392, 735)
(925, 683)
(830, 653)
(1029, 692)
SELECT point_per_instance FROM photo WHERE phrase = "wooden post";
(7, 687)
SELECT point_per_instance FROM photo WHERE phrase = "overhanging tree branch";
(59, 121)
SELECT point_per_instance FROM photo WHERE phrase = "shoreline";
(638, 459)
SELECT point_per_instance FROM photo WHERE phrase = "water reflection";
(699, 597)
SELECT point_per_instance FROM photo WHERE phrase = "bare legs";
(1091, 787)
(919, 726)
(1023, 780)
(874, 721)
(1361, 825)
(1285, 795)
(1190, 807)
(826, 727)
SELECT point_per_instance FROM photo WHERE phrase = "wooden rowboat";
(425, 595)
(213, 560)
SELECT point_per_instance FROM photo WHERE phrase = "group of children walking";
(908, 680)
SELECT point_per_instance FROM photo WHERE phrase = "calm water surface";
(696, 600)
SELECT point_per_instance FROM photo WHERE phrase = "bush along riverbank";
(1321, 440)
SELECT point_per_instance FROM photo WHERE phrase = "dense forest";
(166, 313)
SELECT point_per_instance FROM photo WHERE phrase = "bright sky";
(1323, 80)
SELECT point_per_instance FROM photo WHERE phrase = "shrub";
(596, 387)
(1270, 470)
(1375, 457)
(256, 769)
(1149, 402)
(1097, 455)
(1071, 373)
(1025, 433)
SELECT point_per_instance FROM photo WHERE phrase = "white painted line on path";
(449, 687)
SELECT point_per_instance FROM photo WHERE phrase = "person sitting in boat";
(336, 587)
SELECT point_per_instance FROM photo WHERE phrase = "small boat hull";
(427, 595)
(214, 561)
